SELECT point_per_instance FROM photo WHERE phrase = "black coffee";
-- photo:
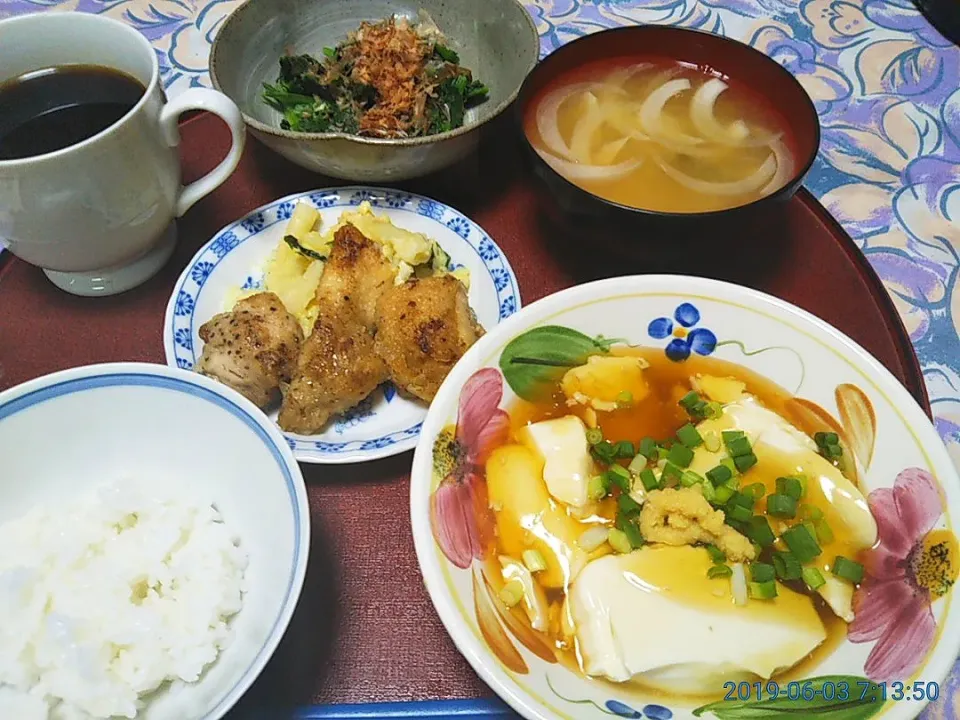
(54, 108)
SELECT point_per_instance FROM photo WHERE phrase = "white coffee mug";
(98, 216)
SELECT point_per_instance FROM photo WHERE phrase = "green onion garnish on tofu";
(618, 541)
(628, 506)
(847, 569)
(762, 572)
(680, 455)
(690, 478)
(649, 480)
(759, 531)
(782, 506)
(790, 486)
(625, 399)
(648, 448)
(716, 554)
(722, 494)
(828, 443)
(813, 578)
(802, 543)
(624, 449)
(787, 566)
(604, 451)
(738, 513)
(620, 477)
(534, 561)
(594, 436)
(762, 590)
(597, 488)
(689, 436)
(719, 475)
(719, 571)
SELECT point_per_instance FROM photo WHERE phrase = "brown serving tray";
(365, 630)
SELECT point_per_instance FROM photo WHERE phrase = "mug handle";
(220, 105)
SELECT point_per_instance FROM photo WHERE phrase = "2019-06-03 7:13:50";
(897, 691)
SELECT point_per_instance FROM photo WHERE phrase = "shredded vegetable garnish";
(389, 79)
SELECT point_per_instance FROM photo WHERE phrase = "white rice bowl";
(95, 442)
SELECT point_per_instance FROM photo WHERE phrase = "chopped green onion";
(592, 538)
(762, 572)
(826, 438)
(716, 554)
(809, 512)
(630, 530)
(628, 506)
(781, 506)
(597, 488)
(690, 478)
(719, 571)
(824, 532)
(787, 566)
(745, 462)
(625, 399)
(709, 494)
(743, 500)
(755, 490)
(802, 479)
(738, 513)
(618, 541)
(689, 436)
(648, 448)
(690, 400)
(670, 474)
(847, 569)
(729, 435)
(534, 561)
(713, 410)
(680, 455)
(637, 465)
(759, 531)
(731, 466)
(649, 480)
(711, 441)
(512, 593)
(604, 451)
(802, 543)
(762, 590)
(832, 452)
(790, 486)
(719, 475)
(619, 476)
(813, 578)
(624, 449)
(594, 436)
(739, 446)
(722, 495)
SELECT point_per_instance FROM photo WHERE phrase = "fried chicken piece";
(337, 368)
(252, 348)
(356, 274)
(423, 327)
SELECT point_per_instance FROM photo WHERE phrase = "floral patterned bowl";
(907, 629)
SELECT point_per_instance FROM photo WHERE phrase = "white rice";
(104, 600)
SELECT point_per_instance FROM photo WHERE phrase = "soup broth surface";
(632, 131)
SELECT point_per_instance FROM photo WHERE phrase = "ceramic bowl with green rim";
(671, 497)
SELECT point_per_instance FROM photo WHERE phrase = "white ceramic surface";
(97, 216)
(802, 354)
(385, 423)
(63, 434)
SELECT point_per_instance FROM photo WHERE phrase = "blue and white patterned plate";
(385, 423)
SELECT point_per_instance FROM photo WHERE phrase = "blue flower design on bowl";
(398, 201)
(284, 210)
(253, 223)
(622, 709)
(184, 304)
(685, 338)
(324, 199)
(430, 209)
(487, 250)
(225, 243)
(201, 271)
(460, 226)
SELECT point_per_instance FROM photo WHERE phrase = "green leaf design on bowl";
(830, 697)
(532, 363)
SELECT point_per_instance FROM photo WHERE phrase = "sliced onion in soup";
(580, 171)
(784, 168)
(704, 120)
(547, 113)
(651, 112)
(582, 137)
(608, 152)
(749, 184)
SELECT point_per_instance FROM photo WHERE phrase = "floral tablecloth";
(887, 86)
